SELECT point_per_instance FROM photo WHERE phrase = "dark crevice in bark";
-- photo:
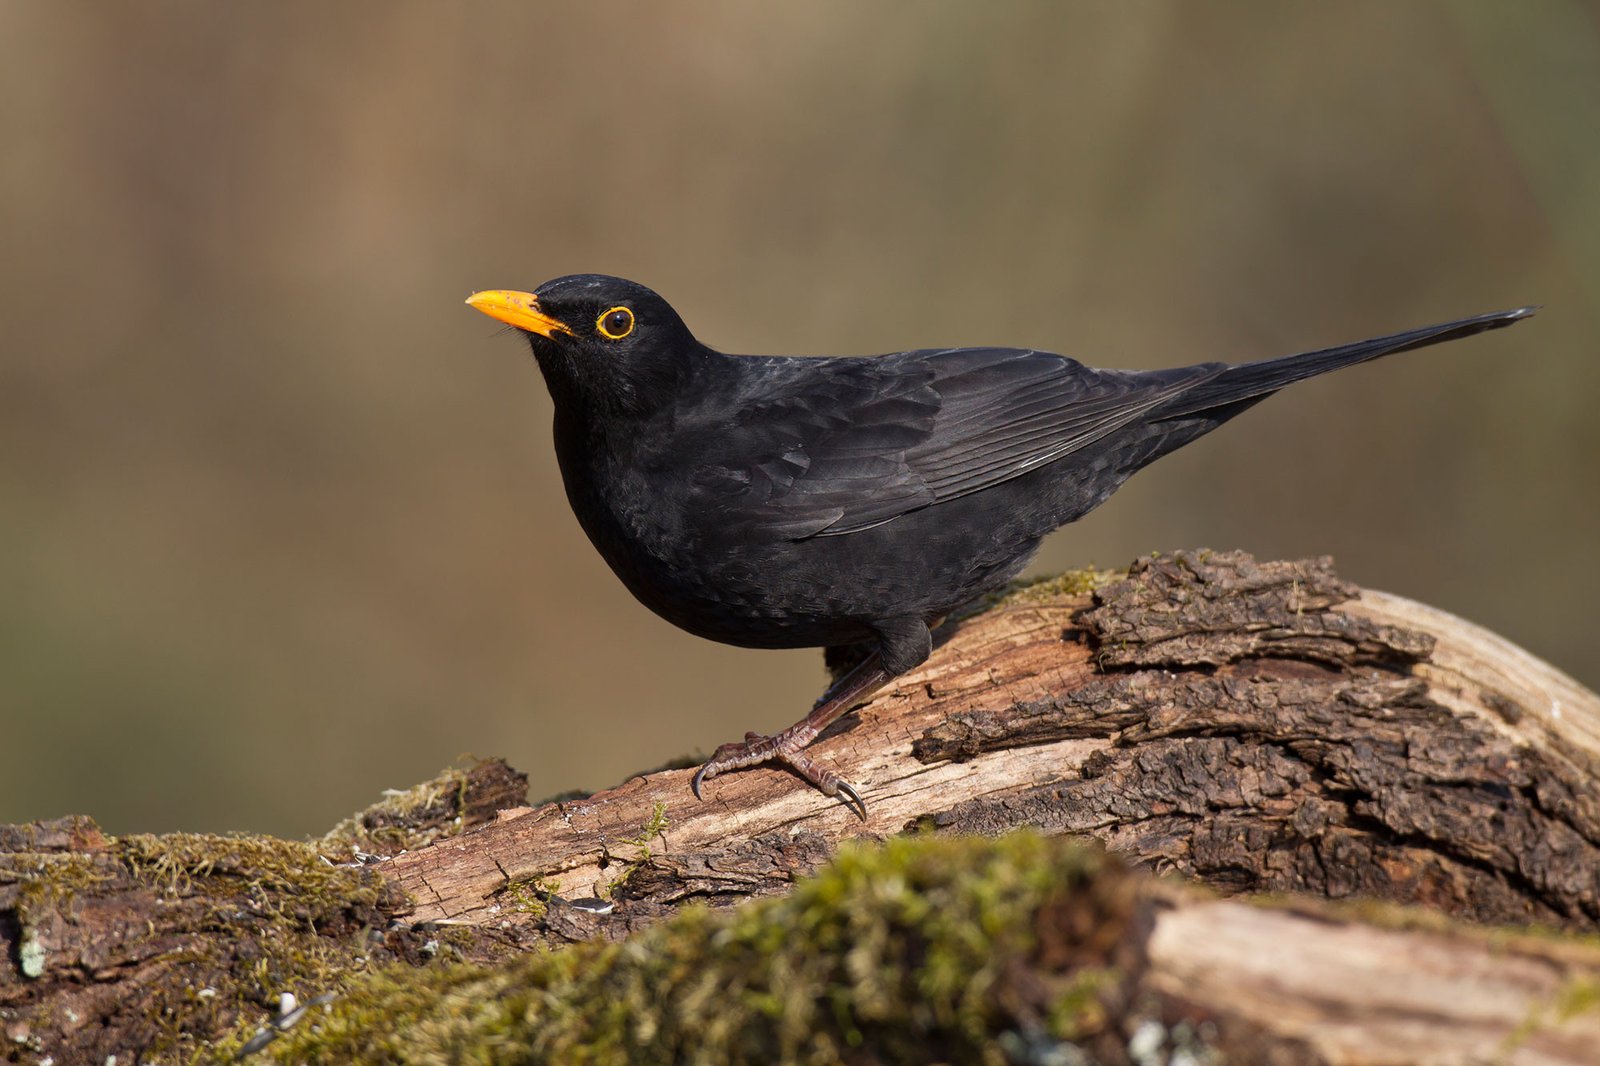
(1253, 726)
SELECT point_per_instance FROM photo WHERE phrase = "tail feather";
(1256, 381)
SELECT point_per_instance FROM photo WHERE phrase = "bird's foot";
(788, 747)
(785, 748)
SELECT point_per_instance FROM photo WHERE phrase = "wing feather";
(824, 447)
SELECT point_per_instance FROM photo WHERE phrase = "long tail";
(1243, 385)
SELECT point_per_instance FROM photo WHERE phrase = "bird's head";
(601, 341)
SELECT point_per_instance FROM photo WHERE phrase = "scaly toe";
(756, 749)
(736, 755)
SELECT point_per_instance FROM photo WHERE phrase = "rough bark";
(1253, 727)
(141, 944)
(1259, 727)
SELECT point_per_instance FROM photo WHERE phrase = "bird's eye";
(615, 324)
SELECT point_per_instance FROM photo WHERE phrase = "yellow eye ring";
(615, 324)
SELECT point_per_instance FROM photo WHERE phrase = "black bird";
(800, 501)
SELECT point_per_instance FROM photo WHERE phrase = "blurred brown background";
(279, 521)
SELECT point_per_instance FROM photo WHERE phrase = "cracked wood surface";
(1256, 726)
(1251, 726)
(1323, 986)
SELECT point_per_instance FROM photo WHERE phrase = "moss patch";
(234, 921)
(908, 951)
(48, 879)
(406, 819)
(640, 845)
(1042, 590)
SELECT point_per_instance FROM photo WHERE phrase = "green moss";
(1580, 996)
(50, 878)
(45, 881)
(1043, 589)
(1079, 1009)
(1406, 918)
(641, 846)
(900, 952)
(653, 828)
(406, 819)
(1055, 586)
(281, 874)
(238, 920)
(293, 923)
(528, 897)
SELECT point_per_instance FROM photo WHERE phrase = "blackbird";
(805, 501)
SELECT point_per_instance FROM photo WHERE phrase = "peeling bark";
(1250, 726)
(1259, 727)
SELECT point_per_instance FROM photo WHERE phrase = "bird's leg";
(788, 747)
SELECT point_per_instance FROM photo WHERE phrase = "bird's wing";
(807, 444)
(834, 446)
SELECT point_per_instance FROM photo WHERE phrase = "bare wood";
(1256, 726)
(1479, 673)
(1347, 990)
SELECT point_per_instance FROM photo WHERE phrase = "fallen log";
(1258, 727)
(1253, 727)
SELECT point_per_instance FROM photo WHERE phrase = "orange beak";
(519, 309)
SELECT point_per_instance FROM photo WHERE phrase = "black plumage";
(814, 501)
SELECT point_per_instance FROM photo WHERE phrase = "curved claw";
(694, 782)
(848, 796)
